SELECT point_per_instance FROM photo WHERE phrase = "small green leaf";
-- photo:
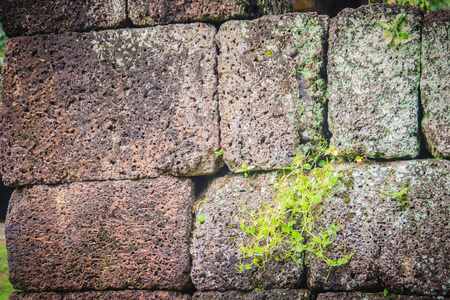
(219, 153)
(201, 219)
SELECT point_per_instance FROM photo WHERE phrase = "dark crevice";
(5, 195)
(423, 151)
(127, 23)
(324, 74)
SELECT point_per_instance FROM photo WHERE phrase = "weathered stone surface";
(403, 247)
(101, 235)
(215, 250)
(40, 16)
(271, 89)
(373, 88)
(370, 296)
(120, 104)
(254, 295)
(151, 12)
(435, 82)
(104, 295)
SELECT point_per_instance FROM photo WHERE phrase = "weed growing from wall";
(286, 227)
(392, 30)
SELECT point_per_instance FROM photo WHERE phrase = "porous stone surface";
(122, 104)
(400, 243)
(254, 295)
(28, 17)
(151, 12)
(271, 89)
(215, 248)
(370, 296)
(435, 82)
(373, 87)
(103, 295)
(101, 235)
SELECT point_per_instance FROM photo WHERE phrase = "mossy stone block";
(373, 88)
(400, 241)
(216, 242)
(435, 82)
(271, 88)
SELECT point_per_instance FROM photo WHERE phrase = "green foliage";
(219, 153)
(245, 169)
(201, 219)
(429, 5)
(392, 30)
(5, 285)
(286, 227)
(385, 292)
(401, 196)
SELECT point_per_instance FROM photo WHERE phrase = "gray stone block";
(271, 88)
(156, 12)
(435, 82)
(401, 243)
(373, 87)
(370, 296)
(104, 295)
(255, 295)
(101, 235)
(28, 17)
(215, 248)
(122, 104)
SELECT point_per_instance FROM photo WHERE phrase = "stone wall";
(110, 138)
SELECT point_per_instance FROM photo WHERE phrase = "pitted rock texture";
(151, 12)
(372, 87)
(104, 295)
(370, 296)
(101, 235)
(435, 82)
(122, 104)
(401, 243)
(28, 17)
(215, 249)
(255, 295)
(271, 90)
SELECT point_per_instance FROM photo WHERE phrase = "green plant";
(385, 292)
(401, 196)
(5, 285)
(392, 30)
(286, 227)
(219, 153)
(244, 169)
(201, 219)
(419, 3)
